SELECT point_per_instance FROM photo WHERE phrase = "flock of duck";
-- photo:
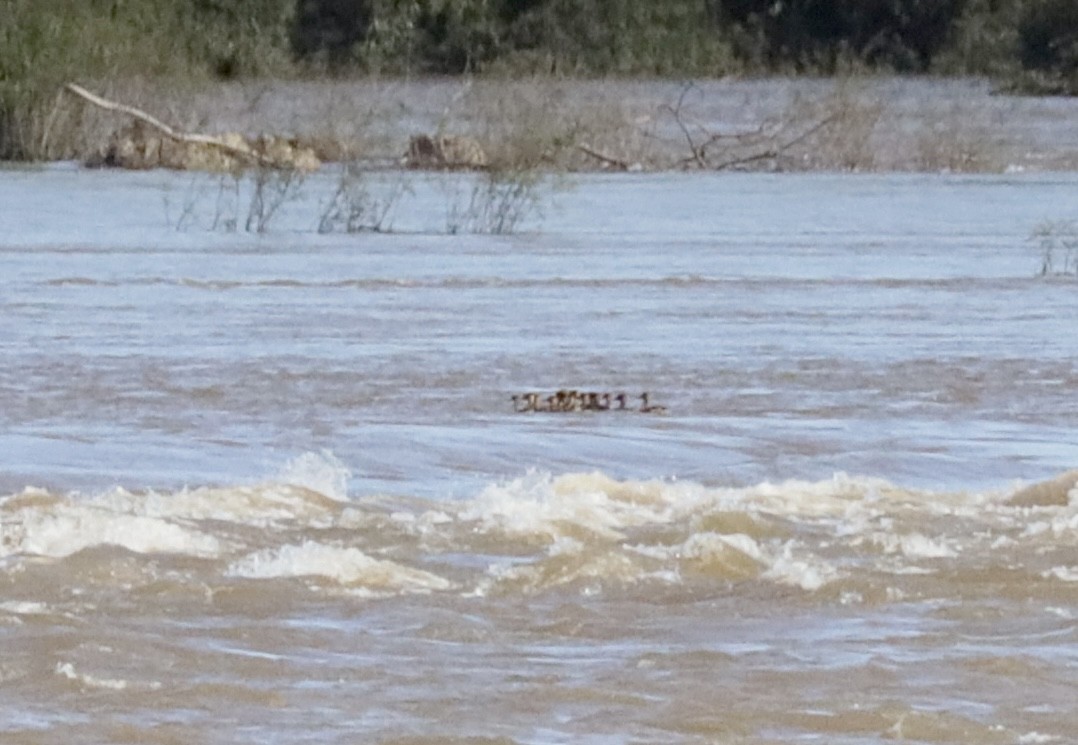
(569, 400)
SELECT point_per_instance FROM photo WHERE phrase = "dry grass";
(542, 123)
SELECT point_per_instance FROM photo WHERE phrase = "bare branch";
(241, 150)
(602, 158)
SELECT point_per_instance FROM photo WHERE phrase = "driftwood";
(609, 160)
(240, 150)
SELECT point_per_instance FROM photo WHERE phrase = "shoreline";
(871, 124)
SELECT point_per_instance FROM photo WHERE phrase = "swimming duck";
(590, 401)
(647, 408)
(525, 402)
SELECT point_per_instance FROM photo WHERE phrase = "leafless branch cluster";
(774, 139)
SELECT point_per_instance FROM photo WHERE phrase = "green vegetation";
(1048, 45)
(1029, 45)
(45, 43)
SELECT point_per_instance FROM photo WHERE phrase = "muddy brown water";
(272, 488)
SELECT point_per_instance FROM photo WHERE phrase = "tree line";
(1025, 44)
(690, 37)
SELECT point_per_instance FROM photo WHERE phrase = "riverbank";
(875, 124)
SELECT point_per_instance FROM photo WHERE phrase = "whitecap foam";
(1036, 738)
(913, 546)
(1064, 574)
(346, 566)
(70, 528)
(809, 573)
(24, 608)
(320, 472)
(534, 506)
(67, 670)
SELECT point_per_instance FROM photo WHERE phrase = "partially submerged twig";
(775, 152)
(602, 158)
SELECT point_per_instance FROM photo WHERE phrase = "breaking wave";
(847, 539)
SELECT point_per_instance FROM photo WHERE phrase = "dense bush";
(328, 31)
(407, 36)
(816, 35)
(562, 36)
(675, 37)
(1048, 42)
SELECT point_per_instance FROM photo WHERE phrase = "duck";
(647, 408)
(590, 401)
(525, 402)
(622, 400)
(577, 401)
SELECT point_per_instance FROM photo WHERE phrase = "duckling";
(562, 400)
(577, 401)
(647, 408)
(602, 402)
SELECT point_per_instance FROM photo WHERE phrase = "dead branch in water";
(718, 151)
(777, 151)
(603, 158)
(187, 137)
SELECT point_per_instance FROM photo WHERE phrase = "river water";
(271, 487)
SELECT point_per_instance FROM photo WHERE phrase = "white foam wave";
(346, 566)
(541, 530)
(1036, 738)
(808, 573)
(60, 533)
(24, 608)
(735, 555)
(320, 472)
(67, 670)
(913, 546)
(1064, 574)
(537, 505)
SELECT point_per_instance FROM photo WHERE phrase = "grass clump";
(358, 206)
(1058, 245)
(498, 202)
